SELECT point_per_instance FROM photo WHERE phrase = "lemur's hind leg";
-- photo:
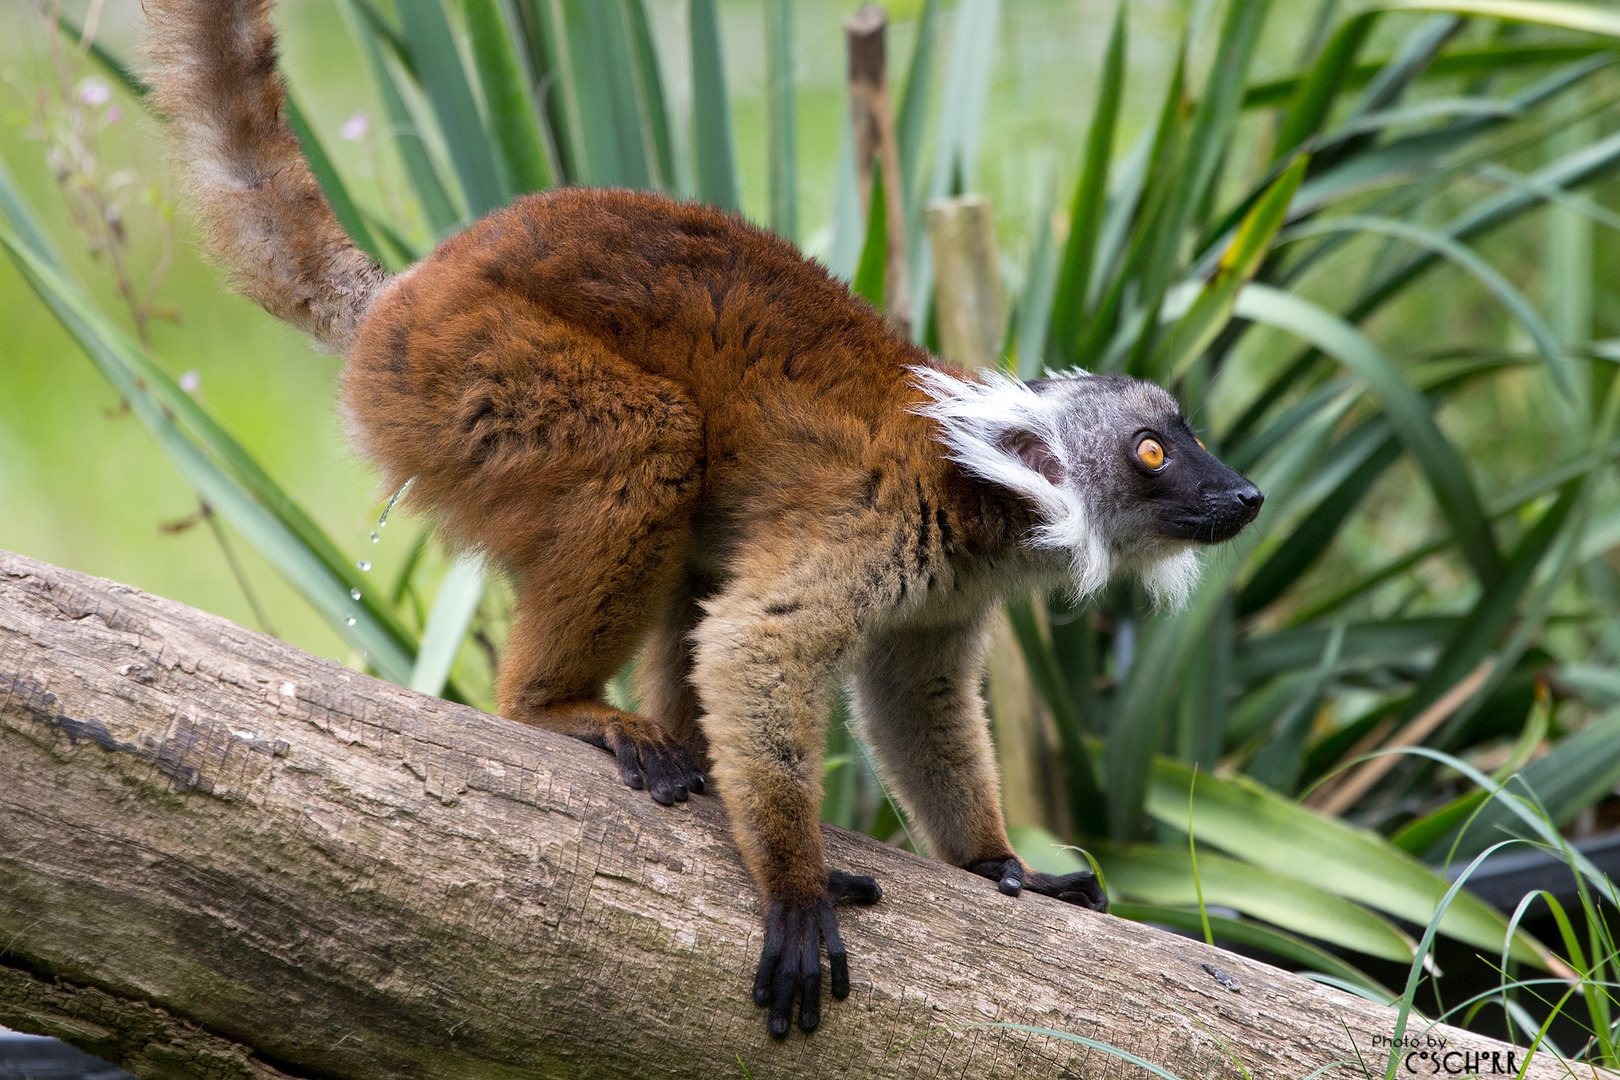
(578, 473)
(917, 704)
(664, 674)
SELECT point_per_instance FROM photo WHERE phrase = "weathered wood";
(220, 856)
(970, 303)
(871, 116)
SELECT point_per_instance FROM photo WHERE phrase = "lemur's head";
(1120, 480)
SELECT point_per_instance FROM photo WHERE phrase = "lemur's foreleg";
(917, 704)
(767, 659)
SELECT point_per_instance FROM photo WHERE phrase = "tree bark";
(222, 857)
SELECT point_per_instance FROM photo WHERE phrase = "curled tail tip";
(212, 65)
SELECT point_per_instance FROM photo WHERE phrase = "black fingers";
(1006, 871)
(1079, 888)
(790, 962)
(853, 887)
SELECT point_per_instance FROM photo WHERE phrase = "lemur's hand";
(791, 959)
(1012, 877)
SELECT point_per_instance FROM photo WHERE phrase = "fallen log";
(222, 857)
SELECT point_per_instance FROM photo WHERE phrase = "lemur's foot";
(649, 759)
(1012, 878)
(790, 962)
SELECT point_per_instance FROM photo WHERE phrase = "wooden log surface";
(221, 857)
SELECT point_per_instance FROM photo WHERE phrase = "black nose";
(1250, 497)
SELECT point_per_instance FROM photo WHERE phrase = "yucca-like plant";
(1248, 215)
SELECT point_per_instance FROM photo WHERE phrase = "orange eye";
(1200, 443)
(1150, 453)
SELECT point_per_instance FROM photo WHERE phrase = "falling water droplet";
(374, 536)
(392, 500)
(354, 594)
(350, 620)
(364, 564)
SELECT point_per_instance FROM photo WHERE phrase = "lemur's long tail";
(213, 69)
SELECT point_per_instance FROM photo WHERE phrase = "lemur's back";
(782, 366)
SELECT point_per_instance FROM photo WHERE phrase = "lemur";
(675, 433)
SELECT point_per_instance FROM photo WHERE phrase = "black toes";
(665, 771)
(855, 887)
(630, 765)
(790, 962)
(1005, 870)
(1080, 888)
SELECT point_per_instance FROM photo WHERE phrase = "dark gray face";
(1142, 466)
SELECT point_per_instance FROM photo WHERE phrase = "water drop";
(350, 620)
(392, 500)
(354, 594)
(364, 564)
(374, 536)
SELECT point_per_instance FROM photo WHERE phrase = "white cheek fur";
(976, 422)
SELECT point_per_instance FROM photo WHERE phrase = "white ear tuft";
(1002, 431)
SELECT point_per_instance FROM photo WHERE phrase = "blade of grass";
(1407, 411)
(441, 213)
(711, 112)
(1194, 331)
(444, 80)
(1086, 208)
(1165, 877)
(1546, 342)
(1586, 18)
(1490, 59)
(1079, 773)
(1265, 829)
(513, 115)
(126, 367)
(1309, 104)
(781, 130)
(453, 609)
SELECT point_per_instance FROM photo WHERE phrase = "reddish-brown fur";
(615, 394)
(673, 432)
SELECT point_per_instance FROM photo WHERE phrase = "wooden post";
(970, 304)
(871, 116)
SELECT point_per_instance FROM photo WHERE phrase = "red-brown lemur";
(675, 433)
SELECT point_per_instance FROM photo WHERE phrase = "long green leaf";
(441, 213)
(453, 610)
(1164, 877)
(1086, 208)
(1209, 313)
(1546, 342)
(911, 120)
(1309, 104)
(513, 115)
(781, 128)
(1492, 59)
(122, 362)
(438, 66)
(1587, 18)
(1265, 829)
(711, 111)
(956, 137)
(1408, 413)
(1085, 801)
